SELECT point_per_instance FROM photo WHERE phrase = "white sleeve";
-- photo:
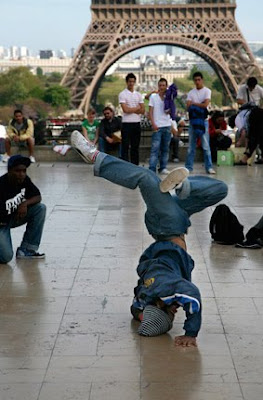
(174, 124)
(122, 99)
(140, 99)
(189, 96)
(240, 95)
(151, 101)
(208, 94)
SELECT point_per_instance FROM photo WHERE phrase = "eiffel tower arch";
(207, 28)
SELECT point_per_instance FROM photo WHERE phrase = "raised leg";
(163, 216)
(199, 192)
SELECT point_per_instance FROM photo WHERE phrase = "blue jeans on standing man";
(34, 219)
(160, 148)
(192, 148)
(166, 214)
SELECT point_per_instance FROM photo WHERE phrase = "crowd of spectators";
(121, 133)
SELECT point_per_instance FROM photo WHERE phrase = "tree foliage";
(57, 95)
(20, 88)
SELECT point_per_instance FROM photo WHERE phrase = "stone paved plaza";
(66, 332)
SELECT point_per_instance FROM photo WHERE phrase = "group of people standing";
(163, 121)
(208, 133)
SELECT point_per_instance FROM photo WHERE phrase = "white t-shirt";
(199, 95)
(161, 119)
(254, 96)
(2, 132)
(241, 119)
(131, 99)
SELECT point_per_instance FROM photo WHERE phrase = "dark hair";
(252, 82)
(198, 74)
(18, 111)
(107, 108)
(217, 114)
(231, 121)
(130, 76)
(163, 80)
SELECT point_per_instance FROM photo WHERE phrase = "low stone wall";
(46, 154)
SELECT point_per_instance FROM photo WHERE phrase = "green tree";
(39, 71)
(16, 84)
(109, 90)
(57, 95)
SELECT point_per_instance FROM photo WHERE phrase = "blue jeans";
(166, 214)
(34, 219)
(104, 146)
(160, 148)
(192, 147)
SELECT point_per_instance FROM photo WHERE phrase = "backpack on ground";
(225, 227)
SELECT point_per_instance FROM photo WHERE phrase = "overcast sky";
(61, 24)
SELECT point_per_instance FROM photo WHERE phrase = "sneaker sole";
(75, 137)
(30, 257)
(175, 177)
(86, 159)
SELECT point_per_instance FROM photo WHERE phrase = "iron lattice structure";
(207, 28)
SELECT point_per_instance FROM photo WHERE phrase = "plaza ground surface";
(66, 332)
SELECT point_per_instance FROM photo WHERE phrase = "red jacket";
(212, 128)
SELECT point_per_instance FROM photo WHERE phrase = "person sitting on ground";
(20, 203)
(20, 130)
(177, 128)
(253, 122)
(165, 267)
(218, 141)
(254, 237)
(90, 127)
(109, 131)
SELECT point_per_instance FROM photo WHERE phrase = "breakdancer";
(165, 266)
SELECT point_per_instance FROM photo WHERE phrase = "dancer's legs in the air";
(167, 215)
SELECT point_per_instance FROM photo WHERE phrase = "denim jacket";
(165, 273)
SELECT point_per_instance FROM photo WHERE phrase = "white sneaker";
(164, 171)
(181, 143)
(5, 158)
(175, 178)
(87, 151)
(211, 171)
(32, 159)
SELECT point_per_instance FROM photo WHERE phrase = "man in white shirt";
(250, 92)
(132, 105)
(198, 100)
(161, 125)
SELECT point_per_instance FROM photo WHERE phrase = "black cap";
(18, 160)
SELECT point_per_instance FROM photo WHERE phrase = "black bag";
(225, 227)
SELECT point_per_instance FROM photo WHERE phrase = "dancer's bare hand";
(185, 341)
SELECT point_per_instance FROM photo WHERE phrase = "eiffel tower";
(207, 28)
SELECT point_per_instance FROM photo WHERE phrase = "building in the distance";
(62, 54)
(46, 54)
(23, 52)
(14, 52)
(149, 69)
(255, 46)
